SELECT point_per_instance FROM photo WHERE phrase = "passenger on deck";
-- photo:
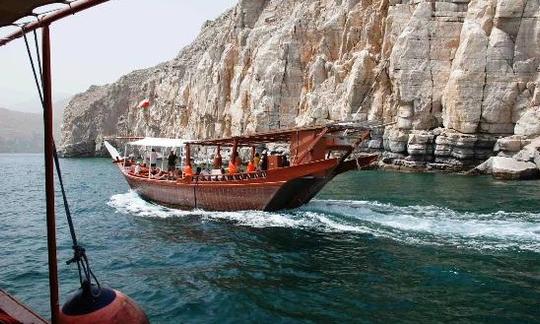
(285, 161)
(171, 164)
(128, 162)
(264, 162)
(163, 176)
(153, 158)
(205, 172)
(232, 168)
(198, 171)
(218, 161)
(251, 166)
(188, 171)
(138, 168)
(256, 160)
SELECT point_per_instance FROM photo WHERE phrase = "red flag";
(144, 104)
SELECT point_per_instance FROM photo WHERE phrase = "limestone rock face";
(454, 75)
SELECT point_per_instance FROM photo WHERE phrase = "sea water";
(372, 247)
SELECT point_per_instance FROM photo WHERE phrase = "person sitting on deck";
(163, 176)
(171, 164)
(177, 173)
(205, 172)
(188, 171)
(153, 159)
(264, 162)
(198, 171)
(256, 160)
(251, 166)
(218, 161)
(232, 168)
(138, 168)
(285, 162)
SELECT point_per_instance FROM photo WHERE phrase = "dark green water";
(373, 247)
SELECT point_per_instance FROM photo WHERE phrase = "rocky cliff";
(455, 75)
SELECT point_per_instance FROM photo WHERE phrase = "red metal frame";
(44, 23)
(73, 8)
(49, 172)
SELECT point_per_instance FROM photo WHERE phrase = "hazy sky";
(101, 44)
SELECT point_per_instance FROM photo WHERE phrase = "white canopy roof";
(159, 142)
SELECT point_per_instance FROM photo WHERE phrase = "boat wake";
(428, 225)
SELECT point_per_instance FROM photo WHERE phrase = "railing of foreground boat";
(246, 176)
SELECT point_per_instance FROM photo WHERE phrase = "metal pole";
(46, 20)
(49, 173)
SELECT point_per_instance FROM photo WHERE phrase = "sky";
(99, 45)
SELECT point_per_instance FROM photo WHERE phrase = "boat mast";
(49, 172)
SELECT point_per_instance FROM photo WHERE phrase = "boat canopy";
(159, 142)
(284, 135)
(13, 10)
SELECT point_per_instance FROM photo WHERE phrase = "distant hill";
(22, 132)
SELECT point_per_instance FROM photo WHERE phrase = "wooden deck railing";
(245, 176)
(231, 177)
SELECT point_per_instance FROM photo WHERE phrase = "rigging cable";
(79, 253)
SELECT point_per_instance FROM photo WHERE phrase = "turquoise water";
(373, 247)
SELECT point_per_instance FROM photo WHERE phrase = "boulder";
(395, 140)
(508, 169)
(530, 153)
(529, 123)
(509, 145)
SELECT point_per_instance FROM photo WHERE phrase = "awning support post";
(150, 163)
(125, 155)
(187, 160)
(234, 151)
(164, 150)
(49, 173)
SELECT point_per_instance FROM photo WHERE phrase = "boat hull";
(225, 197)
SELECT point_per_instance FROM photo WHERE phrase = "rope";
(79, 253)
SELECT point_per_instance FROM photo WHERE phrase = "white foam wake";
(412, 224)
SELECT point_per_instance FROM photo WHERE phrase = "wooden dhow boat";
(316, 154)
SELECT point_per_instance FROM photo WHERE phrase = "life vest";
(188, 171)
(232, 168)
(251, 167)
